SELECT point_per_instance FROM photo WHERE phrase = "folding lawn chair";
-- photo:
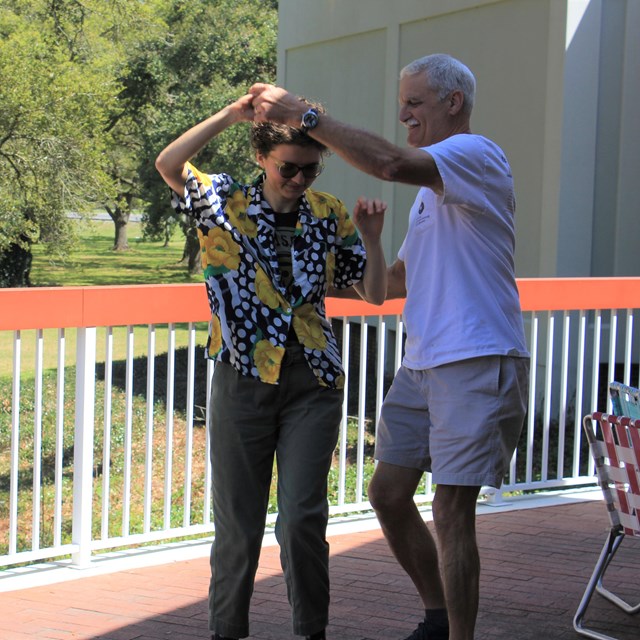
(614, 442)
(625, 400)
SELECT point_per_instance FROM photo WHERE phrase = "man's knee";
(392, 487)
(454, 509)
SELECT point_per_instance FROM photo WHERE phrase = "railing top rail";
(45, 307)
(555, 294)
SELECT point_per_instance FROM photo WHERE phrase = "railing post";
(83, 445)
(493, 496)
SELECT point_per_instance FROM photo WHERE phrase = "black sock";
(436, 619)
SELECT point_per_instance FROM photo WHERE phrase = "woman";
(271, 249)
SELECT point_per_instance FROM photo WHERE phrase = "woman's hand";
(243, 108)
(368, 216)
(172, 161)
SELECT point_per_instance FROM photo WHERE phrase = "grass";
(93, 262)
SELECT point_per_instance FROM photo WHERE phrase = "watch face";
(310, 119)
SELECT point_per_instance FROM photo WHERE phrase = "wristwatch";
(309, 120)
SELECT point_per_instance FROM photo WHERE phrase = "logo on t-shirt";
(421, 209)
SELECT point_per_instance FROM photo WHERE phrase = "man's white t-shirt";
(462, 299)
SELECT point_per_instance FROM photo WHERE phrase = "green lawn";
(94, 263)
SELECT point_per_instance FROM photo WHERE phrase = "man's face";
(425, 116)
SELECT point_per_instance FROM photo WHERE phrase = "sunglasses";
(288, 170)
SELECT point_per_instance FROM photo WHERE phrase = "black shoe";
(422, 632)
(217, 636)
(320, 635)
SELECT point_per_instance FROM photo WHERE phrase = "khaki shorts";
(460, 421)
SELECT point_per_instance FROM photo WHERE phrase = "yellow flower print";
(319, 204)
(330, 267)
(340, 382)
(266, 292)
(202, 178)
(268, 359)
(236, 209)
(306, 323)
(215, 337)
(346, 228)
(220, 251)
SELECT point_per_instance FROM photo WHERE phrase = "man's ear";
(456, 102)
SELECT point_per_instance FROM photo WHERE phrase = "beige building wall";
(558, 87)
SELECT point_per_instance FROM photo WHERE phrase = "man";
(457, 404)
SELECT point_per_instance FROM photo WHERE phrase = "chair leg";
(609, 549)
(609, 595)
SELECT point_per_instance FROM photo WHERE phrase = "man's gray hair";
(445, 74)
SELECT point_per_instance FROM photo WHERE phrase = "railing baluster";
(128, 434)
(531, 417)
(613, 334)
(342, 463)
(37, 444)
(399, 335)
(564, 383)
(148, 459)
(59, 447)
(577, 425)
(628, 348)
(362, 396)
(168, 453)
(381, 360)
(106, 434)
(595, 362)
(207, 462)
(15, 444)
(546, 416)
(188, 461)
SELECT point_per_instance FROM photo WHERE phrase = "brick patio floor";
(536, 562)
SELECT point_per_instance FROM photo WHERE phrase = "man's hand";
(273, 104)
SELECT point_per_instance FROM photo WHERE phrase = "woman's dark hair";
(267, 135)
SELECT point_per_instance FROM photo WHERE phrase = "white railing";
(104, 393)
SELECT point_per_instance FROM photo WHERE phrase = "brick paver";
(536, 563)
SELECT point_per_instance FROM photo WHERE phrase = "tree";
(138, 24)
(52, 111)
(211, 54)
(91, 90)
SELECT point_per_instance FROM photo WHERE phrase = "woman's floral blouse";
(251, 309)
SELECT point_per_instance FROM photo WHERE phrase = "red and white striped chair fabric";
(614, 442)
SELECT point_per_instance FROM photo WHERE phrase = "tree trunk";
(15, 266)
(120, 216)
(191, 252)
(121, 242)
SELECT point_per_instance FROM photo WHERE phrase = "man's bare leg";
(454, 515)
(391, 492)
